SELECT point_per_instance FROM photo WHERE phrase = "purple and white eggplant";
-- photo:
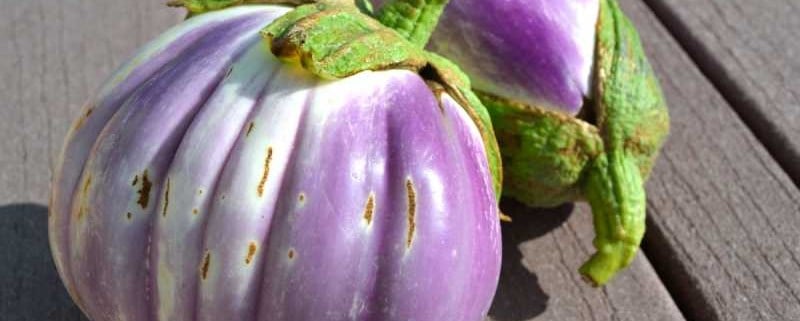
(209, 180)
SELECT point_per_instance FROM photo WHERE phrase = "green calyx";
(415, 20)
(544, 152)
(633, 121)
(195, 7)
(550, 158)
(334, 41)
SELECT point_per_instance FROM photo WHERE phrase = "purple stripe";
(155, 116)
(223, 148)
(390, 131)
(80, 141)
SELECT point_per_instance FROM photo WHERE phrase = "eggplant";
(210, 180)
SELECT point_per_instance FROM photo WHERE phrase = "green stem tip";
(615, 191)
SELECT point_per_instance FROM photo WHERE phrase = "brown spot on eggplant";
(195, 211)
(369, 209)
(84, 197)
(135, 180)
(204, 267)
(129, 215)
(166, 200)
(86, 185)
(291, 254)
(250, 129)
(267, 160)
(200, 191)
(144, 191)
(251, 252)
(301, 198)
(412, 211)
(82, 120)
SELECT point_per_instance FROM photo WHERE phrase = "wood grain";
(542, 250)
(56, 53)
(724, 220)
(750, 51)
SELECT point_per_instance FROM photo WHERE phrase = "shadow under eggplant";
(30, 289)
(519, 296)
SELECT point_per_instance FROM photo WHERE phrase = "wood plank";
(751, 52)
(59, 52)
(723, 215)
(542, 250)
(54, 55)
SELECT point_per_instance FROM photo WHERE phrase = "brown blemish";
(251, 252)
(144, 191)
(260, 189)
(200, 191)
(195, 211)
(85, 116)
(369, 209)
(135, 180)
(166, 200)
(250, 129)
(291, 254)
(412, 211)
(86, 185)
(302, 197)
(129, 215)
(205, 265)
(84, 196)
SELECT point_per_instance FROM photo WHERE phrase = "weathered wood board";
(542, 252)
(751, 52)
(724, 216)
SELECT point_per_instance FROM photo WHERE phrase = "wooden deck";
(723, 240)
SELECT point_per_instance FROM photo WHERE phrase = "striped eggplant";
(209, 180)
(577, 110)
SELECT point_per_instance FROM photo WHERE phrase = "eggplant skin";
(209, 181)
(536, 52)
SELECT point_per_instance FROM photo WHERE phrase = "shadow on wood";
(519, 296)
(30, 289)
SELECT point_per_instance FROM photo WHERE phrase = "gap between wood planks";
(735, 94)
